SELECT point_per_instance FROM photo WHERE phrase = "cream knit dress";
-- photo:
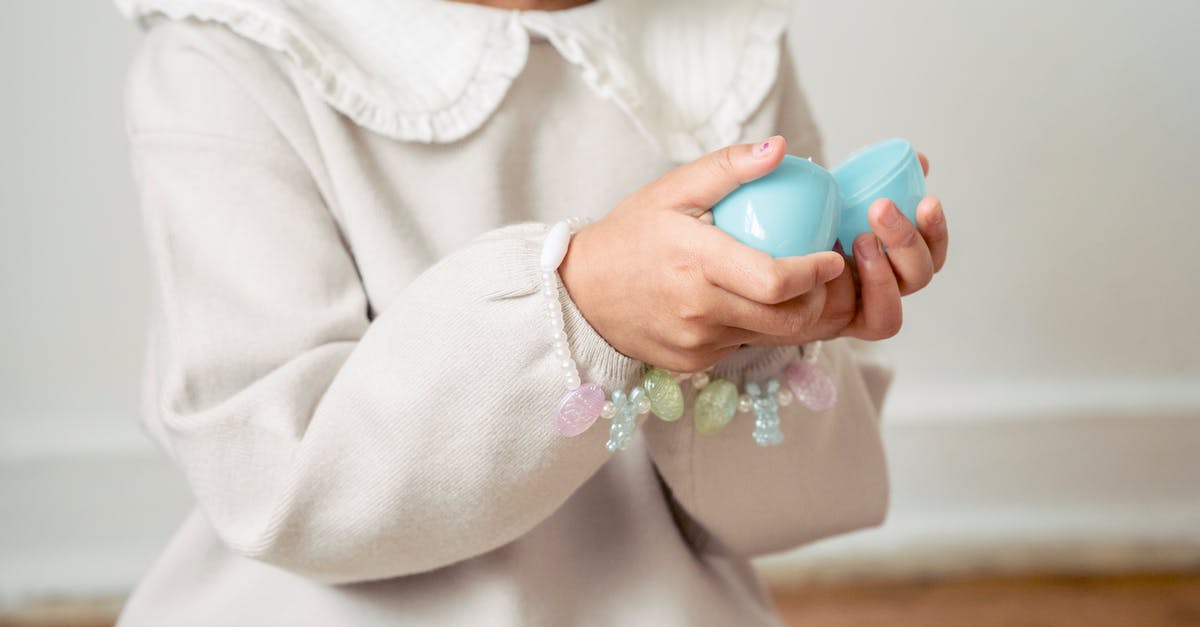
(350, 363)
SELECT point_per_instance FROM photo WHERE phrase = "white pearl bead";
(785, 397)
(699, 380)
(567, 364)
(744, 403)
(559, 336)
(572, 382)
(607, 410)
(812, 352)
(643, 405)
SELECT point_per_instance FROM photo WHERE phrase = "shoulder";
(198, 77)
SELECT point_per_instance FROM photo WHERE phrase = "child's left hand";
(864, 301)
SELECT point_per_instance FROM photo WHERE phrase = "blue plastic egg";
(889, 169)
(791, 211)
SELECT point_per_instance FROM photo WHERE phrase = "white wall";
(73, 271)
(1064, 141)
(1046, 413)
(84, 500)
(1049, 377)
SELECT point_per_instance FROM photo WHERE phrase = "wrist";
(576, 273)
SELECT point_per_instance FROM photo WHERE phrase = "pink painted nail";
(763, 148)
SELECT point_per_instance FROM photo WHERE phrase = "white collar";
(688, 72)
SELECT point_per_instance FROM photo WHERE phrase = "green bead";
(666, 397)
(715, 406)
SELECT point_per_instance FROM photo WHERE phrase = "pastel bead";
(554, 248)
(664, 393)
(766, 413)
(812, 386)
(578, 409)
(715, 406)
(624, 420)
(785, 397)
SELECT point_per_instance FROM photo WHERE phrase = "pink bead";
(812, 386)
(578, 409)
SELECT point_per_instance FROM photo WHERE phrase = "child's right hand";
(665, 288)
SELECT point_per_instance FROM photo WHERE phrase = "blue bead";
(766, 413)
(624, 419)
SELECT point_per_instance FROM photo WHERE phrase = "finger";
(840, 308)
(924, 162)
(906, 248)
(753, 274)
(791, 322)
(841, 305)
(880, 314)
(697, 186)
(931, 221)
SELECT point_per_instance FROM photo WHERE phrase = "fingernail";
(867, 248)
(937, 217)
(763, 148)
(832, 270)
(891, 216)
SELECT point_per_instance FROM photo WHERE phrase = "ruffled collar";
(688, 72)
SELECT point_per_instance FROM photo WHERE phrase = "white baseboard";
(1028, 478)
(1081, 540)
(84, 526)
(1021, 477)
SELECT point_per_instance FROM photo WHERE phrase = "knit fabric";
(351, 367)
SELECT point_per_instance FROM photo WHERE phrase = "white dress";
(350, 364)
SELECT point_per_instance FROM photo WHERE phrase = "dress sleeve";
(829, 476)
(316, 435)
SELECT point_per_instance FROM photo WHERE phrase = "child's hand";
(865, 303)
(665, 288)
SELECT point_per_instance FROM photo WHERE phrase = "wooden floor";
(1141, 601)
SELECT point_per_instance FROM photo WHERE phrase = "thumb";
(695, 187)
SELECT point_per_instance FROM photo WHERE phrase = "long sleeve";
(317, 434)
